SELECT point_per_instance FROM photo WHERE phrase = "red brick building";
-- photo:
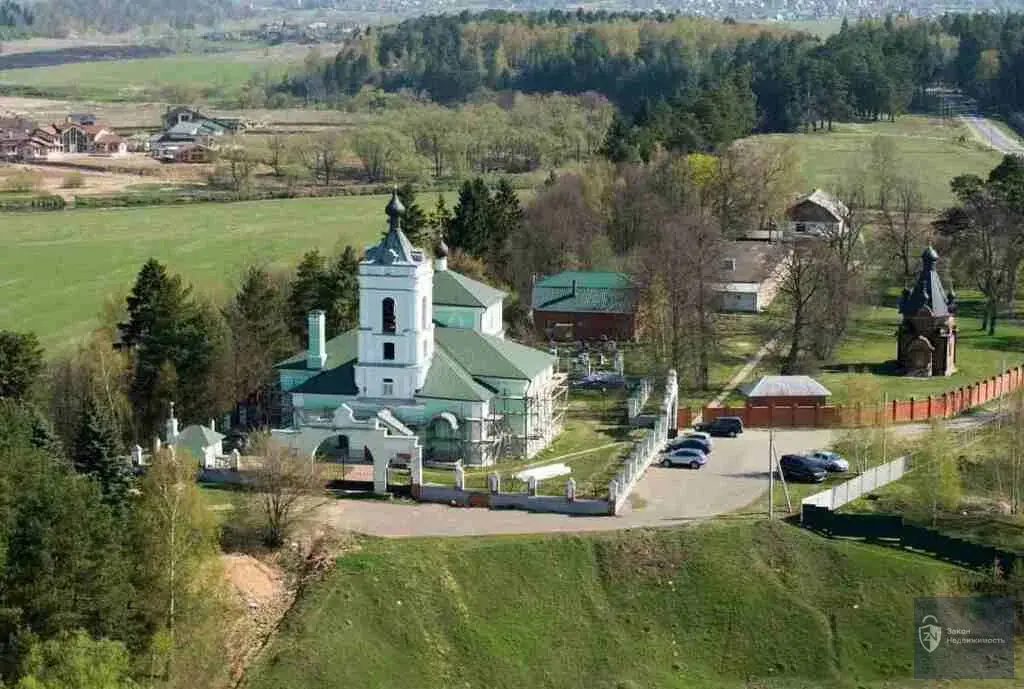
(585, 305)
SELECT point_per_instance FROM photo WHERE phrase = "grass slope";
(695, 608)
(931, 149)
(57, 269)
(215, 76)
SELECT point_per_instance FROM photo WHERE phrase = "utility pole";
(771, 474)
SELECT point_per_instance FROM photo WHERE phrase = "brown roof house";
(748, 276)
(787, 391)
(817, 214)
(585, 305)
(82, 133)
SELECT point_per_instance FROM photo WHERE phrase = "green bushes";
(48, 202)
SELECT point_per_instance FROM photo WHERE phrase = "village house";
(82, 133)
(748, 276)
(585, 305)
(190, 137)
(427, 374)
(787, 391)
(24, 140)
(817, 214)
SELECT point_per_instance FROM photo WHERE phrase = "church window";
(389, 351)
(424, 310)
(387, 387)
(388, 315)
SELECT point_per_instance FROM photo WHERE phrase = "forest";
(681, 82)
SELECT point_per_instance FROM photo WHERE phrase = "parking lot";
(734, 477)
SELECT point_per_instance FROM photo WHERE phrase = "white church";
(427, 375)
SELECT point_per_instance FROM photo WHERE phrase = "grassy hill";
(694, 608)
(57, 269)
(930, 149)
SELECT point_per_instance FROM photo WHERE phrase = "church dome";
(394, 207)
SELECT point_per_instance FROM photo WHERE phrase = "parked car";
(801, 468)
(832, 461)
(684, 457)
(730, 426)
(698, 434)
(692, 443)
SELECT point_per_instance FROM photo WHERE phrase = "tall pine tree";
(306, 293)
(415, 223)
(97, 453)
(469, 229)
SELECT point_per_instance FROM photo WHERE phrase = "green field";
(710, 606)
(58, 268)
(869, 351)
(211, 76)
(930, 149)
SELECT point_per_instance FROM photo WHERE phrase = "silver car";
(830, 461)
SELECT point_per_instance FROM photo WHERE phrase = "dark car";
(803, 469)
(689, 443)
(730, 426)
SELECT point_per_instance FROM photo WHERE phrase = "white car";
(830, 461)
(685, 457)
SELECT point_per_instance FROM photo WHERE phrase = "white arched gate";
(364, 435)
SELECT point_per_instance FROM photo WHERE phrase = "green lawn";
(931, 149)
(58, 268)
(704, 607)
(869, 351)
(593, 433)
(213, 76)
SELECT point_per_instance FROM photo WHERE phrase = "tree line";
(683, 83)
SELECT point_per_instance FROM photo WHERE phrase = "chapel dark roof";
(927, 292)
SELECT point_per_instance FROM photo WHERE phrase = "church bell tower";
(396, 329)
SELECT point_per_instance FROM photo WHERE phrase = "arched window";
(388, 315)
(426, 318)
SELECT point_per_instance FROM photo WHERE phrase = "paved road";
(990, 135)
(735, 477)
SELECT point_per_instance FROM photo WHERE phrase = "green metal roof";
(447, 380)
(490, 356)
(454, 289)
(340, 380)
(340, 349)
(581, 291)
(587, 278)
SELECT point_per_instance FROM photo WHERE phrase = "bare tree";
(321, 155)
(285, 489)
(883, 166)
(801, 281)
(277, 153)
(901, 230)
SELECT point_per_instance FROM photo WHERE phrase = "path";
(988, 134)
(740, 376)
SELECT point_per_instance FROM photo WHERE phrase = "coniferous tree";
(440, 217)
(344, 298)
(97, 453)
(507, 217)
(470, 226)
(306, 293)
(21, 360)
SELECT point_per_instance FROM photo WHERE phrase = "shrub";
(73, 180)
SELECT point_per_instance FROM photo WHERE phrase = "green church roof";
(585, 291)
(587, 278)
(490, 356)
(344, 347)
(454, 289)
(447, 380)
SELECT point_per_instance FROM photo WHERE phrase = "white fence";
(636, 402)
(645, 450)
(847, 491)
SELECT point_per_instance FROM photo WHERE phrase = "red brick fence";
(943, 406)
